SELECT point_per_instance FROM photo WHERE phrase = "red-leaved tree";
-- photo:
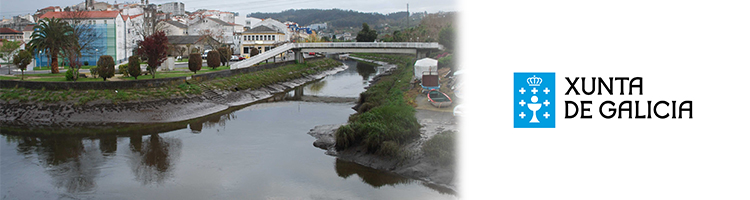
(154, 48)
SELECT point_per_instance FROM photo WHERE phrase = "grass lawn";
(171, 74)
(61, 76)
(63, 67)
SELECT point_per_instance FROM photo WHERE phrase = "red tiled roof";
(134, 16)
(9, 31)
(50, 8)
(29, 27)
(88, 15)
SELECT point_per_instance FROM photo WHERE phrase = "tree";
(213, 59)
(150, 24)
(213, 37)
(225, 55)
(106, 66)
(254, 51)
(195, 62)
(8, 49)
(366, 35)
(181, 51)
(21, 60)
(154, 48)
(446, 37)
(51, 36)
(134, 66)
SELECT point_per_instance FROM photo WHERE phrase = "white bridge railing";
(343, 45)
(403, 45)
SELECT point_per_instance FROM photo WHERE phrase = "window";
(246, 50)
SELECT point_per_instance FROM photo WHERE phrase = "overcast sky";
(9, 8)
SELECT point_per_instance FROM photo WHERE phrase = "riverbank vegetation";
(441, 148)
(384, 120)
(253, 80)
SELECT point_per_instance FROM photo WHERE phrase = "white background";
(684, 50)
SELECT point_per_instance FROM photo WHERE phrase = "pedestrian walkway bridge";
(418, 48)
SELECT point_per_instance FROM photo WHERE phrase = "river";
(259, 151)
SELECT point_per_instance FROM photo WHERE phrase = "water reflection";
(365, 70)
(373, 177)
(72, 162)
(154, 161)
(316, 87)
(377, 178)
(216, 120)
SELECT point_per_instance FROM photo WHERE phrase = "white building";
(176, 8)
(134, 24)
(216, 28)
(252, 21)
(173, 28)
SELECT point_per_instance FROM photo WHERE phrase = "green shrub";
(384, 120)
(106, 67)
(70, 75)
(389, 148)
(123, 69)
(94, 72)
(441, 148)
(224, 55)
(195, 63)
(134, 66)
(213, 59)
(86, 63)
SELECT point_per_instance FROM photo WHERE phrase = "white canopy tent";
(428, 65)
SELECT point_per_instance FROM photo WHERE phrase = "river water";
(260, 151)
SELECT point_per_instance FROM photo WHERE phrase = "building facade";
(10, 34)
(216, 28)
(108, 25)
(173, 28)
(176, 8)
(262, 37)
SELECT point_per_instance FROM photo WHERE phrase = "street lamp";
(97, 55)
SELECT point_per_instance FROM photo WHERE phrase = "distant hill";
(334, 17)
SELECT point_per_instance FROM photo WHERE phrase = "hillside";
(338, 18)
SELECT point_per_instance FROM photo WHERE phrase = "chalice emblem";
(539, 98)
(533, 106)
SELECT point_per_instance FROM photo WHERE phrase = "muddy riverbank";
(416, 165)
(66, 114)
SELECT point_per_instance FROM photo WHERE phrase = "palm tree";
(51, 35)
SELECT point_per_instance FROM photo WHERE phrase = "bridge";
(418, 48)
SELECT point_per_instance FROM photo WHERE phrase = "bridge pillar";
(422, 53)
(298, 56)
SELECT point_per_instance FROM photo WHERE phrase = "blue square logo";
(534, 100)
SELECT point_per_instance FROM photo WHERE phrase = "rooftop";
(84, 15)
(262, 29)
(9, 31)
